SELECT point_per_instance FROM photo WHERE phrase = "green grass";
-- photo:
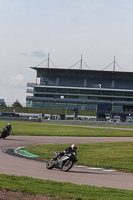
(118, 156)
(107, 155)
(29, 128)
(55, 111)
(62, 190)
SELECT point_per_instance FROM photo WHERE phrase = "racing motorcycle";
(64, 162)
(4, 133)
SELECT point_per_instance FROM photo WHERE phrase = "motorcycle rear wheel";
(2, 137)
(50, 164)
(67, 165)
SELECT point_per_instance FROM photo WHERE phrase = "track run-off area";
(21, 166)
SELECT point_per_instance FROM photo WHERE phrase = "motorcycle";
(4, 133)
(64, 162)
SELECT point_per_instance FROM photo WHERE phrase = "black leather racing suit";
(67, 151)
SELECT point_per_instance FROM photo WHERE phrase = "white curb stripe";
(93, 168)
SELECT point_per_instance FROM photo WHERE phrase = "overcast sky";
(30, 29)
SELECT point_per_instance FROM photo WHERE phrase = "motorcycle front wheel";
(50, 164)
(67, 165)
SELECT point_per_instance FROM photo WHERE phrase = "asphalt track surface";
(13, 165)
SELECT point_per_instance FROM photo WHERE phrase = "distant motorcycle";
(64, 162)
(4, 133)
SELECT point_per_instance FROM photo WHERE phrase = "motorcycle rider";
(8, 129)
(68, 150)
(64, 160)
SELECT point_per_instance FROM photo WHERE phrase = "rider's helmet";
(74, 147)
(9, 124)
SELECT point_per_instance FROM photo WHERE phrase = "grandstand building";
(82, 89)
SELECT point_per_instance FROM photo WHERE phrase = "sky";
(99, 30)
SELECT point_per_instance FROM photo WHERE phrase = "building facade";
(82, 89)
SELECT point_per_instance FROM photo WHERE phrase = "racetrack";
(13, 165)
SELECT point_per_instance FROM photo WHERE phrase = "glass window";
(96, 92)
(60, 105)
(82, 97)
(39, 95)
(83, 106)
(51, 90)
(117, 108)
(72, 97)
(71, 105)
(128, 93)
(61, 90)
(49, 104)
(118, 93)
(95, 98)
(92, 106)
(74, 91)
(29, 103)
(39, 89)
(85, 92)
(38, 104)
(107, 92)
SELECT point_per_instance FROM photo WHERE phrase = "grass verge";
(62, 190)
(27, 128)
(116, 156)
(55, 111)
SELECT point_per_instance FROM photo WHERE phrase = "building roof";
(60, 72)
